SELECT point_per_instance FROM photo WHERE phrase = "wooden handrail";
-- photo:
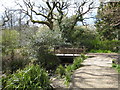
(62, 50)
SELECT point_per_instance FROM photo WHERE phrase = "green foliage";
(100, 51)
(44, 36)
(14, 56)
(80, 36)
(67, 71)
(67, 26)
(106, 20)
(68, 74)
(10, 40)
(42, 44)
(69, 68)
(83, 56)
(10, 66)
(32, 77)
(106, 46)
(116, 66)
(110, 45)
(85, 37)
(68, 77)
(46, 59)
(60, 70)
(77, 63)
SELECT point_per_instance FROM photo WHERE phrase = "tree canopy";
(108, 20)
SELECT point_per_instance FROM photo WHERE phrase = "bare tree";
(13, 19)
(5, 17)
(53, 11)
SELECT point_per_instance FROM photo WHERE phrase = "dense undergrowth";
(32, 77)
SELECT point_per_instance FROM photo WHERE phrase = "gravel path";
(97, 72)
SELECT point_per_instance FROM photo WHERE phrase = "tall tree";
(108, 20)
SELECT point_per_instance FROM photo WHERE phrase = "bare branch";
(6, 17)
(38, 13)
(89, 8)
(48, 5)
(53, 11)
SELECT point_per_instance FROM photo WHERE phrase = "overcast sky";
(12, 4)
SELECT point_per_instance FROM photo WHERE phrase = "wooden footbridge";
(65, 50)
(68, 54)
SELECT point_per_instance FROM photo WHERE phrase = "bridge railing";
(65, 50)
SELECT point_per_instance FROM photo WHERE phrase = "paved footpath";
(97, 72)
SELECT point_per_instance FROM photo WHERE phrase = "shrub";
(83, 56)
(43, 40)
(31, 77)
(49, 37)
(10, 40)
(10, 66)
(60, 71)
(13, 57)
(69, 68)
(15, 60)
(68, 77)
(77, 63)
(100, 51)
(110, 45)
(116, 66)
(68, 74)
(107, 45)
(46, 59)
